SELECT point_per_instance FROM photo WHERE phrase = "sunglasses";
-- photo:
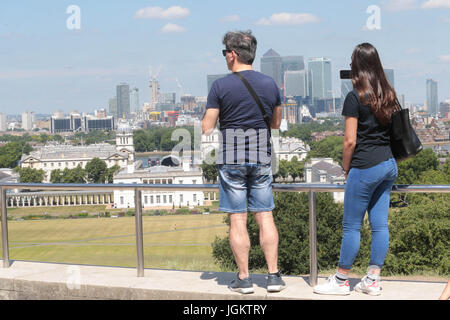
(224, 52)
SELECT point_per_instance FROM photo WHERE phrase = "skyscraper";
(134, 100)
(3, 126)
(291, 63)
(27, 120)
(123, 100)
(319, 72)
(154, 92)
(113, 106)
(295, 83)
(432, 96)
(271, 65)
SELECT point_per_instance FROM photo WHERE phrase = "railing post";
(139, 234)
(5, 245)
(312, 239)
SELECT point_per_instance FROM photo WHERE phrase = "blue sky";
(44, 66)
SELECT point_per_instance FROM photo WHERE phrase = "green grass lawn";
(172, 242)
(54, 211)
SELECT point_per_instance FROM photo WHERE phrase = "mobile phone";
(346, 74)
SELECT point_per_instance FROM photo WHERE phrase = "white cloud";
(288, 19)
(174, 12)
(400, 5)
(172, 28)
(433, 4)
(232, 18)
(445, 58)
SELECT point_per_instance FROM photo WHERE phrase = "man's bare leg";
(240, 242)
(268, 239)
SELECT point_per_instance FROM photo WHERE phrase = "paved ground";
(34, 280)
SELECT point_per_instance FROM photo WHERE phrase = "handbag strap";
(258, 101)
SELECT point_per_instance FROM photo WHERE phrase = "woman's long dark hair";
(369, 79)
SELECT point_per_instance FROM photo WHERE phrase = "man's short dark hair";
(243, 43)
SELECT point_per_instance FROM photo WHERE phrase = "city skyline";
(46, 66)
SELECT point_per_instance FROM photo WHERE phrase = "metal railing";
(311, 189)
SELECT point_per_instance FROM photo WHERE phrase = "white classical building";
(185, 173)
(60, 156)
(289, 147)
(327, 171)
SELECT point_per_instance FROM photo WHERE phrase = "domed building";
(124, 140)
(61, 156)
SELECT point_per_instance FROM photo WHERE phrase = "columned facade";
(62, 198)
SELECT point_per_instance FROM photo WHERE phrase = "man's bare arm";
(209, 120)
(276, 118)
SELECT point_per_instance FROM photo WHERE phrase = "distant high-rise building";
(210, 78)
(295, 83)
(134, 100)
(3, 126)
(168, 98)
(271, 65)
(289, 111)
(432, 96)
(390, 76)
(291, 63)
(27, 120)
(113, 106)
(319, 72)
(154, 93)
(123, 100)
(444, 109)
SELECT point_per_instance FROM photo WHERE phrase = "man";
(245, 173)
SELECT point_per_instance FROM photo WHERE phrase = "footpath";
(51, 281)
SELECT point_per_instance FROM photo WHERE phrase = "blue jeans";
(367, 190)
(242, 183)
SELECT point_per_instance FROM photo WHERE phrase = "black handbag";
(404, 140)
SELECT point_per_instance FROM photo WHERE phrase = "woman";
(370, 170)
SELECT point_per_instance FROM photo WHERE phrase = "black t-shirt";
(239, 115)
(373, 140)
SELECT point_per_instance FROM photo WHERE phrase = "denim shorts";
(246, 183)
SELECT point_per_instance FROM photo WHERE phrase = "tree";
(330, 147)
(75, 175)
(291, 215)
(96, 171)
(296, 168)
(11, 152)
(210, 171)
(110, 173)
(30, 175)
(409, 170)
(283, 169)
(56, 176)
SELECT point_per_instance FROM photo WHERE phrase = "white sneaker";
(369, 286)
(332, 287)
